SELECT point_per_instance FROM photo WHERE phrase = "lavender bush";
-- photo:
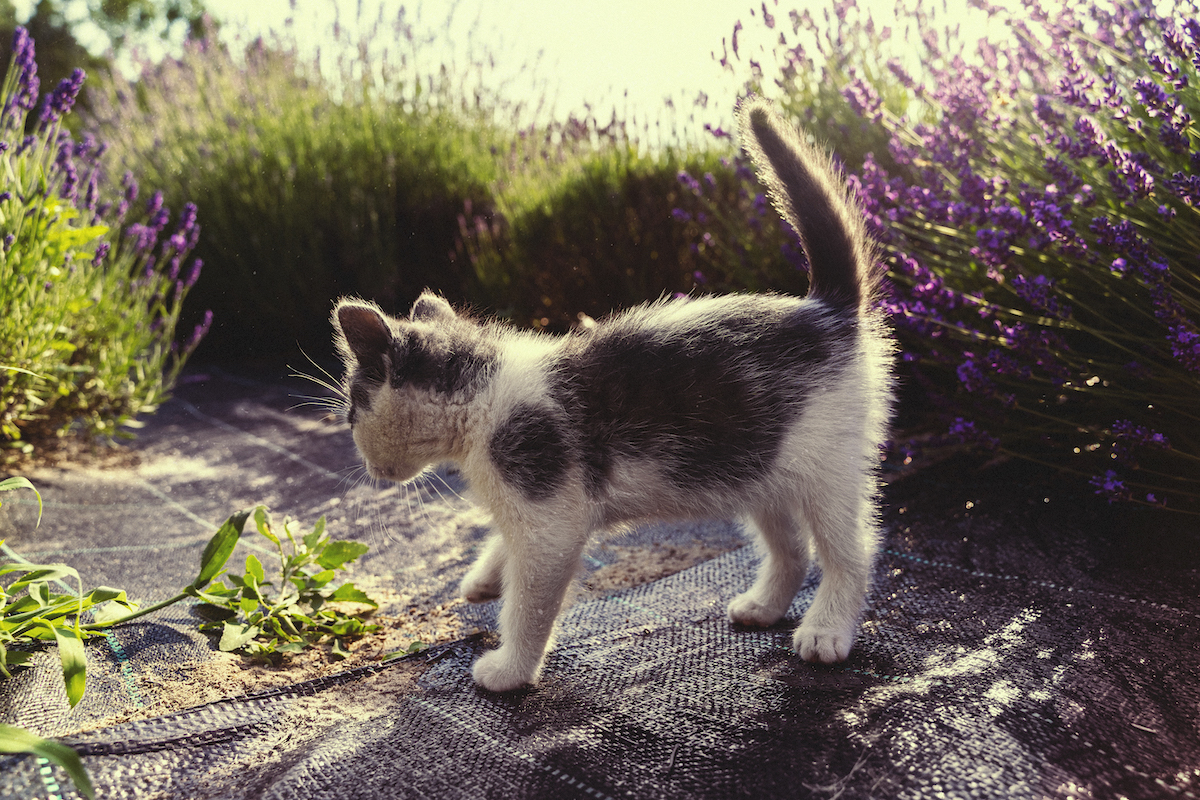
(609, 230)
(1037, 202)
(90, 286)
(315, 180)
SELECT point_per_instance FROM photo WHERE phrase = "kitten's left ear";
(430, 307)
(366, 334)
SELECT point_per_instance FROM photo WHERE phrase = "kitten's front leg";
(537, 572)
(484, 580)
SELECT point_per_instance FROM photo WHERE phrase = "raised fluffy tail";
(810, 194)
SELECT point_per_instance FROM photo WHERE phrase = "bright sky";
(634, 52)
(631, 53)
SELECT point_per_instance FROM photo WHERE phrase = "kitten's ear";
(431, 307)
(365, 334)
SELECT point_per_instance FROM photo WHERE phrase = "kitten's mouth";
(381, 473)
(394, 474)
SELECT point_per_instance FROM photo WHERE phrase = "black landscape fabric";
(1020, 641)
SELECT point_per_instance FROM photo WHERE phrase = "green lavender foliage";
(313, 185)
(1036, 202)
(91, 285)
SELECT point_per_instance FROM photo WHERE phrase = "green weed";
(297, 606)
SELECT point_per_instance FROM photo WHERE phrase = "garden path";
(1021, 641)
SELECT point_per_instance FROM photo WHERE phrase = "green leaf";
(337, 554)
(350, 593)
(38, 573)
(16, 657)
(254, 567)
(19, 740)
(262, 521)
(103, 594)
(219, 548)
(215, 596)
(17, 482)
(320, 580)
(236, 636)
(311, 539)
(114, 610)
(74, 662)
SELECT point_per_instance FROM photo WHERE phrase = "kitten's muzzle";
(396, 474)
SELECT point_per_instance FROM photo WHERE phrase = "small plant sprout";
(298, 605)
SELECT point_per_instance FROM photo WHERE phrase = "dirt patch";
(73, 451)
(638, 565)
(403, 620)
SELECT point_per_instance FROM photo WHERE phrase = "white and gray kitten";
(765, 407)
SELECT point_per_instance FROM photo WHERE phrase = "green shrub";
(88, 311)
(312, 187)
(611, 229)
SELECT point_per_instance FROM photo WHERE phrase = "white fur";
(815, 499)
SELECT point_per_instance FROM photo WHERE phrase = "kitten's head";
(404, 379)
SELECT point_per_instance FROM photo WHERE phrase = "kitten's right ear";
(364, 334)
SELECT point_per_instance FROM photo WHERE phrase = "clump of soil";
(403, 620)
(72, 451)
(638, 565)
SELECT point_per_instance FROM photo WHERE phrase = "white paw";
(746, 610)
(495, 672)
(478, 589)
(822, 645)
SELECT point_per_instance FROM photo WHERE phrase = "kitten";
(767, 407)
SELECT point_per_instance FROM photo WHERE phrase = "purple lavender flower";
(101, 253)
(200, 330)
(59, 102)
(966, 431)
(65, 166)
(193, 274)
(141, 237)
(1110, 486)
(691, 183)
(158, 213)
(863, 98)
(25, 62)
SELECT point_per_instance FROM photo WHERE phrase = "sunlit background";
(560, 57)
(571, 54)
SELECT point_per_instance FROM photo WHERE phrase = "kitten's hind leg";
(484, 580)
(845, 543)
(782, 571)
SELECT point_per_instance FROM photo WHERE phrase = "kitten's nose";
(381, 473)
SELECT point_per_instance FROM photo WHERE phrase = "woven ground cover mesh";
(1033, 644)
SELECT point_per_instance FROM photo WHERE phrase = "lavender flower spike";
(25, 63)
(59, 102)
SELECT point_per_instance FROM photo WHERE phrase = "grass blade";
(74, 662)
(19, 740)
